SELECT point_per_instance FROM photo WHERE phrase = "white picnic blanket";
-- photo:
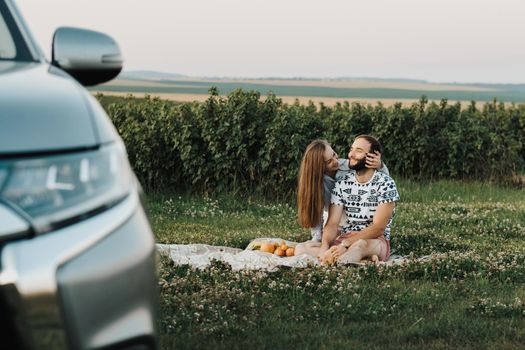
(201, 255)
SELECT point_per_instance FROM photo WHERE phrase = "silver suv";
(77, 256)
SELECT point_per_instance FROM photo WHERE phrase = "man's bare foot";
(375, 259)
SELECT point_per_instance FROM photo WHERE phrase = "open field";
(327, 91)
(328, 101)
(304, 100)
(469, 293)
(356, 84)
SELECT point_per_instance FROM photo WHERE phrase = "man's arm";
(377, 227)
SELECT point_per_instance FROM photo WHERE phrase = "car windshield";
(12, 44)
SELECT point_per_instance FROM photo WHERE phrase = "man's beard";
(360, 165)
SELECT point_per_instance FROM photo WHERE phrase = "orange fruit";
(279, 252)
(267, 248)
(284, 246)
(290, 252)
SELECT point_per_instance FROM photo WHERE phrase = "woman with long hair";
(320, 169)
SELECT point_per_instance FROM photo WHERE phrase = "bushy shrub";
(147, 129)
(245, 143)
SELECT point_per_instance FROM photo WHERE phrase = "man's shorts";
(384, 244)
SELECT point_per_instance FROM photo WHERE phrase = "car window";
(7, 44)
(12, 44)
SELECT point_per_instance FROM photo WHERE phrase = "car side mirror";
(88, 56)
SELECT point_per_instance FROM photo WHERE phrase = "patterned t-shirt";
(360, 200)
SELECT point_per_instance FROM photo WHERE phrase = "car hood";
(42, 109)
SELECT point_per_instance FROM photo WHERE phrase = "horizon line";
(269, 77)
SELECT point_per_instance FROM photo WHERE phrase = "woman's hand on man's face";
(373, 160)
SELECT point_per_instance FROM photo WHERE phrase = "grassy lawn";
(467, 293)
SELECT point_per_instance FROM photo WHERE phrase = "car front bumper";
(88, 285)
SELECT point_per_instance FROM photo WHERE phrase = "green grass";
(468, 293)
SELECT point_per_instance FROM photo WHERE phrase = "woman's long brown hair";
(310, 185)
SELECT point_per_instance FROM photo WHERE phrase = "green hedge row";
(247, 144)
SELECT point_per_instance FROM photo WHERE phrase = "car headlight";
(54, 191)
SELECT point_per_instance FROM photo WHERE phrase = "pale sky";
(434, 40)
